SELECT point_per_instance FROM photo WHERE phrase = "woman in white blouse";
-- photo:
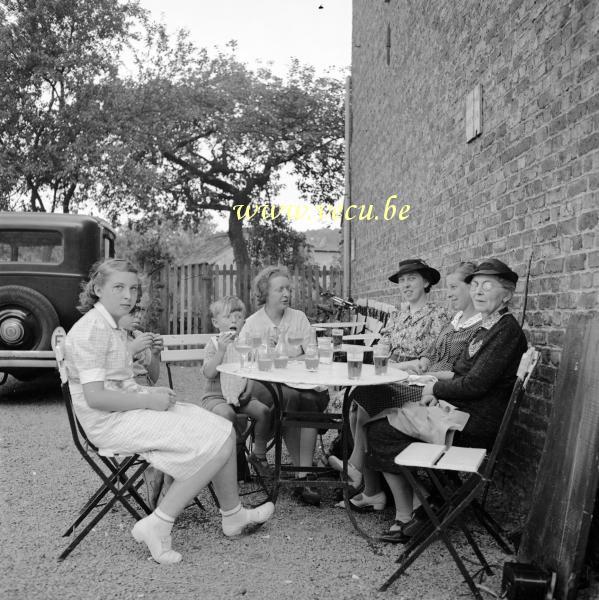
(273, 292)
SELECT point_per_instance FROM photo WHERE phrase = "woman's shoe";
(396, 533)
(355, 477)
(364, 503)
(261, 466)
(308, 495)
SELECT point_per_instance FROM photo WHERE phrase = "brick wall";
(529, 183)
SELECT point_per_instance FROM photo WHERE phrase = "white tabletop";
(336, 325)
(333, 374)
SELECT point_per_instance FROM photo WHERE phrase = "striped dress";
(178, 441)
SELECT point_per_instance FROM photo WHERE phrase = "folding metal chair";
(440, 463)
(120, 474)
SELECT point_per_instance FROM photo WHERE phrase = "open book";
(438, 456)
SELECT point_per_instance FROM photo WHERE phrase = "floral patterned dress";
(411, 334)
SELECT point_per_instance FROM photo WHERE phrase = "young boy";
(145, 347)
(228, 315)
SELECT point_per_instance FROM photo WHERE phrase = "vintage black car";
(44, 257)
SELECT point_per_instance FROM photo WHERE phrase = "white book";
(420, 454)
(438, 456)
(462, 459)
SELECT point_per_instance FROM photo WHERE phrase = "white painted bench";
(184, 350)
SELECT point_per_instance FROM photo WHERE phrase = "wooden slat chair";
(441, 464)
(376, 318)
(121, 474)
(188, 350)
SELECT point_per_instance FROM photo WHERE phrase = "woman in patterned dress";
(376, 402)
(411, 331)
(483, 377)
(188, 443)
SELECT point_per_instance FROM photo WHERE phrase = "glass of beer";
(337, 338)
(355, 358)
(264, 359)
(381, 359)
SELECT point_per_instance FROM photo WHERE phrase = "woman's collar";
(473, 320)
(102, 310)
(494, 317)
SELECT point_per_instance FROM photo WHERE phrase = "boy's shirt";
(228, 386)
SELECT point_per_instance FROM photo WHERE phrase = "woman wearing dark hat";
(378, 402)
(412, 330)
(483, 378)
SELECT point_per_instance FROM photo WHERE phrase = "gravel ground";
(302, 552)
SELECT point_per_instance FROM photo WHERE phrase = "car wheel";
(27, 319)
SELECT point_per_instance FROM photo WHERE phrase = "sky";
(267, 31)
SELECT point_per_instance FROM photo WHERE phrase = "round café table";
(296, 374)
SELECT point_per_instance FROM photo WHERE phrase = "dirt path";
(302, 553)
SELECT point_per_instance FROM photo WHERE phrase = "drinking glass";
(337, 338)
(242, 345)
(325, 350)
(264, 359)
(380, 359)
(295, 338)
(255, 343)
(355, 358)
(311, 360)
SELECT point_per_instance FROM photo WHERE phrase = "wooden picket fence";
(186, 292)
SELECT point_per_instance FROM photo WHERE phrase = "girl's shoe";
(355, 477)
(160, 547)
(364, 503)
(249, 520)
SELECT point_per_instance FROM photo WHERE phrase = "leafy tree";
(55, 57)
(273, 242)
(212, 134)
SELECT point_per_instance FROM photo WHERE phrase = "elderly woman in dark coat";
(483, 378)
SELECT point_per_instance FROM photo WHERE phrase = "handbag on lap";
(432, 424)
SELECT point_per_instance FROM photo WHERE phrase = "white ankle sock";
(162, 522)
(403, 517)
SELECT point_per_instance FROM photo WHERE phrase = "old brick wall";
(529, 183)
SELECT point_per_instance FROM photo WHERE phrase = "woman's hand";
(161, 398)
(423, 365)
(141, 342)
(428, 400)
(428, 397)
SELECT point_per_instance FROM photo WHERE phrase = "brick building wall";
(529, 183)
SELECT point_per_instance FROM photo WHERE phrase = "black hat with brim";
(416, 264)
(495, 267)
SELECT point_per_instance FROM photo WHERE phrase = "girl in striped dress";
(188, 443)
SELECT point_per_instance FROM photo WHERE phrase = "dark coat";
(484, 377)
